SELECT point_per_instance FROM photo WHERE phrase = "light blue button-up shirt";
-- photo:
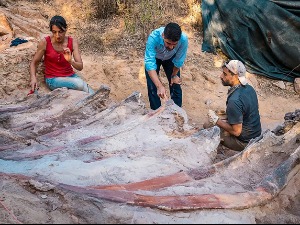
(155, 48)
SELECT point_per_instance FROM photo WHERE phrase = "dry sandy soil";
(119, 64)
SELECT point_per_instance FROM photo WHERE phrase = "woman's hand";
(33, 83)
(67, 54)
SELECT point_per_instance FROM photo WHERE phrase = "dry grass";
(104, 25)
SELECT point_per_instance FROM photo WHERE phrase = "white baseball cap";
(237, 67)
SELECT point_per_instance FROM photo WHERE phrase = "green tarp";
(263, 34)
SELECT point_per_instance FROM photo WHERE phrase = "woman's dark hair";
(172, 32)
(58, 21)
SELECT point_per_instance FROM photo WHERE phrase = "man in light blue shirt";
(166, 47)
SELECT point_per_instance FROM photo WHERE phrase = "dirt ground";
(118, 63)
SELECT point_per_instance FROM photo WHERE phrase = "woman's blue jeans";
(74, 82)
(175, 89)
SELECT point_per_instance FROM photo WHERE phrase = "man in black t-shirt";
(243, 119)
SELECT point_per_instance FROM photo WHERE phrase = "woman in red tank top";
(61, 54)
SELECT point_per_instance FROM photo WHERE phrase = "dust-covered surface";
(66, 157)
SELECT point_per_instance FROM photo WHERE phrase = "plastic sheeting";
(263, 34)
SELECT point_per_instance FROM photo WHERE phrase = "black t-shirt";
(242, 107)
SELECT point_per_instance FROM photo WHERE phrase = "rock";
(6, 32)
(297, 85)
(280, 84)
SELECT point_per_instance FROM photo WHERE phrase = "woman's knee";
(78, 84)
(68, 82)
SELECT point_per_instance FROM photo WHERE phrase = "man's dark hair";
(172, 32)
(58, 21)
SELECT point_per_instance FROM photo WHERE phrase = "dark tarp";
(264, 34)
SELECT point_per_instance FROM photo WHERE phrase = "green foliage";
(145, 15)
(142, 16)
(104, 8)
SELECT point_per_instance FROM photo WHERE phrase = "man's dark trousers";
(175, 89)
